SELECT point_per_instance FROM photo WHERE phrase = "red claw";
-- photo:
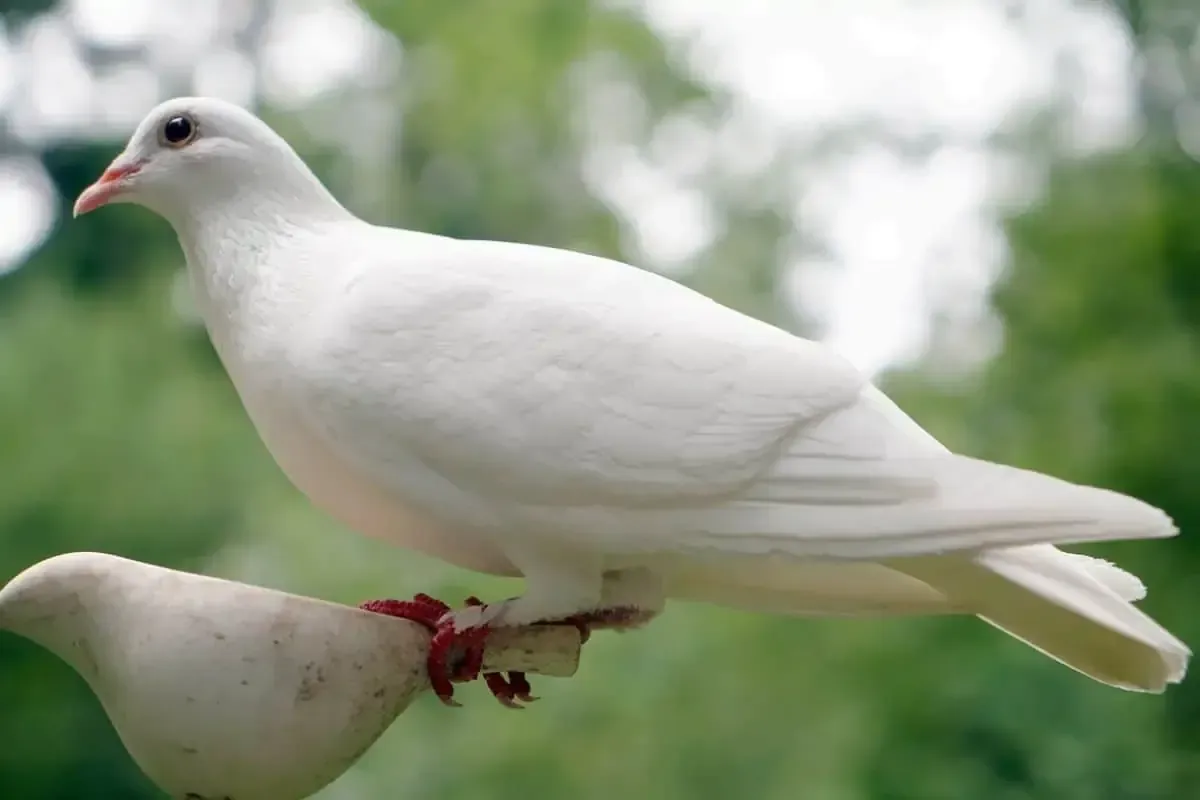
(511, 691)
(455, 656)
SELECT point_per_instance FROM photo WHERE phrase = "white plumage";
(612, 436)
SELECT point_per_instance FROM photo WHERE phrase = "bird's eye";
(178, 131)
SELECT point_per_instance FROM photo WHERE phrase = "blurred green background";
(993, 205)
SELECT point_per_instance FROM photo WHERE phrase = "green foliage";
(1099, 381)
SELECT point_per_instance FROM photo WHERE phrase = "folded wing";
(569, 390)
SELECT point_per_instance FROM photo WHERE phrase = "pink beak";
(108, 186)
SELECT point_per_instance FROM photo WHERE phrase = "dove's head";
(200, 153)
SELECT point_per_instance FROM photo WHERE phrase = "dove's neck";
(250, 252)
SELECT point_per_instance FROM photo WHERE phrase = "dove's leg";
(558, 585)
(617, 599)
(629, 598)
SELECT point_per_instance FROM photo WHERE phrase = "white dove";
(608, 434)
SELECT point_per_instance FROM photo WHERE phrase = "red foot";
(511, 691)
(455, 656)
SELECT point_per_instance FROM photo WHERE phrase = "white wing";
(556, 378)
(573, 392)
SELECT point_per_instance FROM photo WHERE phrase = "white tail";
(1075, 611)
(867, 495)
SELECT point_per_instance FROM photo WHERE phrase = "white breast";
(253, 312)
(345, 494)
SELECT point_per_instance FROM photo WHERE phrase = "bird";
(614, 438)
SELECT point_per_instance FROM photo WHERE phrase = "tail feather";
(867, 494)
(1126, 586)
(1073, 611)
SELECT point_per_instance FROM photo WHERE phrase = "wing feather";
(581, 396)
(552, 378)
